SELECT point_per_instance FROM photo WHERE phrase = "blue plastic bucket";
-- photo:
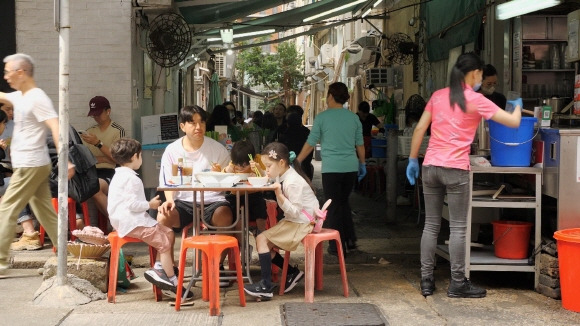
(511, 146)
(379, 147)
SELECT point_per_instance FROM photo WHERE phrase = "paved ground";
(385, 273)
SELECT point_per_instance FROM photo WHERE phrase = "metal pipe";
(391, 174)
(63, 104)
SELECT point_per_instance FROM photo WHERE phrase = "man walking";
(34, 114)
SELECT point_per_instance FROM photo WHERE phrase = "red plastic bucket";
(568, 253)
(511, 239)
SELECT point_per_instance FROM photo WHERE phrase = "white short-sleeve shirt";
(31, 110)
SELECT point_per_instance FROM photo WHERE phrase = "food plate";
(217, 179)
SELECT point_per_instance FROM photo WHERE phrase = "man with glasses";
(34, 116)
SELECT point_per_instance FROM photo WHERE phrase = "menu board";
(161, 128)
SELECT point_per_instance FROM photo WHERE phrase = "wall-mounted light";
(515, 8)
(227, 35)
(256, 33)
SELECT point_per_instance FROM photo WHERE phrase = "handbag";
(319, 216)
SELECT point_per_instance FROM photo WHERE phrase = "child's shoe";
(260, 290)
(158, 278)
(292, 279)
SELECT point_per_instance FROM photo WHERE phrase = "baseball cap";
(97, 105)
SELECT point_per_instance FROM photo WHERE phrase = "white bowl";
(217, 179)
(258, 181)
(176, 180)
(243, 176)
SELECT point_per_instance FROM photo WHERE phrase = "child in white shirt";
(295, 196)
(127, 207)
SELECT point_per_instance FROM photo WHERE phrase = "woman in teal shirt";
(339, 132)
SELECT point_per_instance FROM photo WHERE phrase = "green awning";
(451, 23)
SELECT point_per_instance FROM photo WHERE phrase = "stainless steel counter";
(562, 173)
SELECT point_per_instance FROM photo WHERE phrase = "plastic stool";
(102, 222)
(72, 217)
(116, 244)
(313, 263)
(212, 246)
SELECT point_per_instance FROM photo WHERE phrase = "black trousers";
(338, 186)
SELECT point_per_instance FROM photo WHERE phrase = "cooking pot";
(557, 103)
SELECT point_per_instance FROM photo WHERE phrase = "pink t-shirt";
(452, 130)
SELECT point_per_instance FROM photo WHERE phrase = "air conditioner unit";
(155, 3)
(220, 65)
(326, 55)
(377, 76)
(362, 56)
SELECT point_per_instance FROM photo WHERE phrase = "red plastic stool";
(72, 217)
(102, 222)
(212, 246)
(116, 244)
(313, 263)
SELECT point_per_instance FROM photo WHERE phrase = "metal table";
(239, 189)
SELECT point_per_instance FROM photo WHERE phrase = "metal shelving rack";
(483, 259)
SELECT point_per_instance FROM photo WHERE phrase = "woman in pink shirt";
(453, 114)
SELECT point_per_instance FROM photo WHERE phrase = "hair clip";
(272, 153)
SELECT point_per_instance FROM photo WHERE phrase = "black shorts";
(185, 210)
(106, 174)
(256, 205)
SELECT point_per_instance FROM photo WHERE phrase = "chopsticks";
(256, 170)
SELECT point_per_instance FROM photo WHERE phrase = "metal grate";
(332, 314)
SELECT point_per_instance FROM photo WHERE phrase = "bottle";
(229, 143)
(555, 56)
(180, 169)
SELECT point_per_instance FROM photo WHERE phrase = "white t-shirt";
(31, 110)
(210, 151)
(127, 205)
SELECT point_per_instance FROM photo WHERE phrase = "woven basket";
(83, 250)
(90, 237)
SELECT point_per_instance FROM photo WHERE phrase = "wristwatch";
(99, 145)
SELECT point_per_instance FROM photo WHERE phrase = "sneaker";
(292, 279)
(27, 242)
(173, 294)
(464, 289)
(224, 283)
(260, 290)
(427, 286)
(158, 278)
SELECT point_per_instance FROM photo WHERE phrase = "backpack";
(85, 183)
(319, 216)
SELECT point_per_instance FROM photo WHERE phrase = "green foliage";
(270, 70)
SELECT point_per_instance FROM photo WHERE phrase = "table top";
(197, 186)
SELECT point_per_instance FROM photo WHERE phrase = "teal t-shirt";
(338, 131)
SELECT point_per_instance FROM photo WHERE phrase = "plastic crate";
(405, 145)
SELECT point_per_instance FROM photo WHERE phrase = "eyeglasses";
(6, 72)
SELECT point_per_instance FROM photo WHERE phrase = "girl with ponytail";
(295, 196)
(453, 114)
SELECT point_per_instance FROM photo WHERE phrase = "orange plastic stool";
(212, 246)
(313, 263)
(72, 217)
(116, 244)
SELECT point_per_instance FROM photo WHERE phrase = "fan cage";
(168, 40)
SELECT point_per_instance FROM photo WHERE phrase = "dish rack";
(405, 145)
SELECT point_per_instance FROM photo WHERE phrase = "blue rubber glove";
(412, 170)
(362, 171)
(516, 102)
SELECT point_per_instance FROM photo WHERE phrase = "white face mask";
(488, 90)
(476, 87)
